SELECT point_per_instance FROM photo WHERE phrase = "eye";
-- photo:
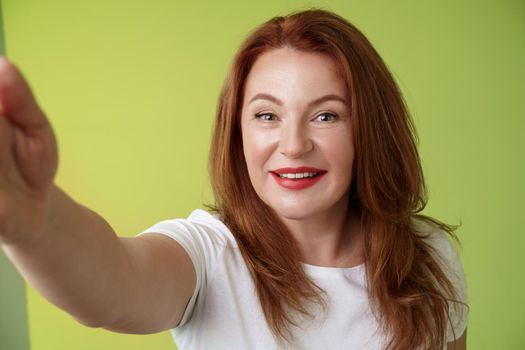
(265, 117)
(326, 117)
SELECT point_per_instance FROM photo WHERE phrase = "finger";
(6, 137)
(16, 100)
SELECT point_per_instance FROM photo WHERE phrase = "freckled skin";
(298, 134)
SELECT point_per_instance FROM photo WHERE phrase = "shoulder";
(200, 226)
(447, 256)
(212, 224)
(439, 240)
(443, 248)
(203, 236)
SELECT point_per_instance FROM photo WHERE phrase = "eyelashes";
(327, 117)
(266, 117)
(323, 117)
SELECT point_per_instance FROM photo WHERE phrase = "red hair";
(406, 284)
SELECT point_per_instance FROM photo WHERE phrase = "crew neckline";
(324, 271)
(313, 270)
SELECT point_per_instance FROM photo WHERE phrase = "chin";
(295, 212)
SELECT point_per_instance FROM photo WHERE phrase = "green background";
(13, 315)
(131, 89)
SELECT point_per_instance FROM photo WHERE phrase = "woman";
(315, 240)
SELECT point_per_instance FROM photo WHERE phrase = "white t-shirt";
(224, 311)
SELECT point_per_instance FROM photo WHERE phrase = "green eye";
(326, 117)
(267, 117)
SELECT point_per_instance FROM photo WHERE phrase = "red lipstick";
(285, 177)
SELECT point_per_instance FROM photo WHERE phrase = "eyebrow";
(268, 97)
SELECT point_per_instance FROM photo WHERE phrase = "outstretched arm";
(70, 254)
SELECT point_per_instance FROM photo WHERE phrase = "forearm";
(77, 262)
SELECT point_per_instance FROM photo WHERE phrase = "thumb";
(16, 99)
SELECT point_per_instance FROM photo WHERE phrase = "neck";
(333, 238)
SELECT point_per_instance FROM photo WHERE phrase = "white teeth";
(297, 175)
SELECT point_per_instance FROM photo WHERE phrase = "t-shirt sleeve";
(449, 259)
(202, 237)
(458, 311)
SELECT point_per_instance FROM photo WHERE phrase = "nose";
(295, 141)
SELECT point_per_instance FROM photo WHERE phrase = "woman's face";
(297, 133)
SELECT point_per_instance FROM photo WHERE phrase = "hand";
(28, 158)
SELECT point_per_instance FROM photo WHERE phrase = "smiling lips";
(297, 178)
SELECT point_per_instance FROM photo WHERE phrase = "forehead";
(292, 73)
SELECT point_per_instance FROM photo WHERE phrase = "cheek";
(257, 151)
(338, 149)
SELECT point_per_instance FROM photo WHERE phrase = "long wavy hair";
(406, 283)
